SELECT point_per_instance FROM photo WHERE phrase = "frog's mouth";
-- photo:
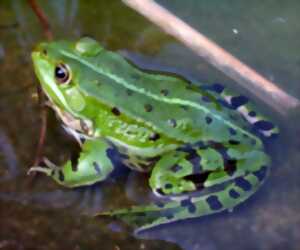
(44, 71)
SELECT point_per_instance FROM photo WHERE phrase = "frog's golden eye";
(62, 73)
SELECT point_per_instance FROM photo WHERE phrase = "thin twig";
(264, 89)
(43, 128)
(41, 97)
(42, 18)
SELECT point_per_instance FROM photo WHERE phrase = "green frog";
(202, 145)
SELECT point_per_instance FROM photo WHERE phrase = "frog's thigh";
(168, 175)
(93, 165)
(234, 162)
(180, 171)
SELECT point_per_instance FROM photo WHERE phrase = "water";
(41, 215)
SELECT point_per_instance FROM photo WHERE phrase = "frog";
(201, 144)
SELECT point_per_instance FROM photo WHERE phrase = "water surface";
(41, 215)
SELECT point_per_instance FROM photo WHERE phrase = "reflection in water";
(2, 52)
(9, 170)
(270, 220)
(86, 201)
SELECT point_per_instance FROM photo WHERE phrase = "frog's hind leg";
(174, 176)
(93, 164)
(181, 172)
(242, 104)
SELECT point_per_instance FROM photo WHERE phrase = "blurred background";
(264, 34)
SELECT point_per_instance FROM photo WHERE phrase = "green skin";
(192, 138)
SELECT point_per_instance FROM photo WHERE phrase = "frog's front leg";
(93, 165)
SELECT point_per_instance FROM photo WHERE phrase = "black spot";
(194, 158)
(232, 131)
(114, 156)
(252, 113)
(172, 123)
(224, 103)
(214, 202)
(233, 142)
(217, 146)
(200, 144)
(148, 107)
(198, 179)
(238, 101)
(216, 87)
(208, 119)
(243, 184)
(192, 153)
(176, 168)
(245, 136)
(74, 160)
(184, 107)
(169, 216)
(206, 99)
(195, 161)
(154, 137)
(230, 166)
(261, 173)
(263, 125)
(159, 191)
(115, 111)
(274, 136)
(189, 205)
(61, 176)
(233, 194)
(97, 167)
(164, 92)
(168, 186)
(129, 92)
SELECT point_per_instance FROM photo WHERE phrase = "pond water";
(38, 214)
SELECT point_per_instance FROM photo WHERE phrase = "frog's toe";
(49, 164)
(48, 169)
(45, 170)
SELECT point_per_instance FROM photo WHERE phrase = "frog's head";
(59, 73)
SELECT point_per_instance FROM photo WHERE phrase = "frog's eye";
(62, 73)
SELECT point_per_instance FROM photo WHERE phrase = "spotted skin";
(199, 143)
(175, 172)
(94, 164)
(242, 104)
(226, 199)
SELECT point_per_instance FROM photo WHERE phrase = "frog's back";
(166, 103)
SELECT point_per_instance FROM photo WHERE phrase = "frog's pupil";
(61, 73)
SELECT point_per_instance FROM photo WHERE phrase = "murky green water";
(40, 215)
